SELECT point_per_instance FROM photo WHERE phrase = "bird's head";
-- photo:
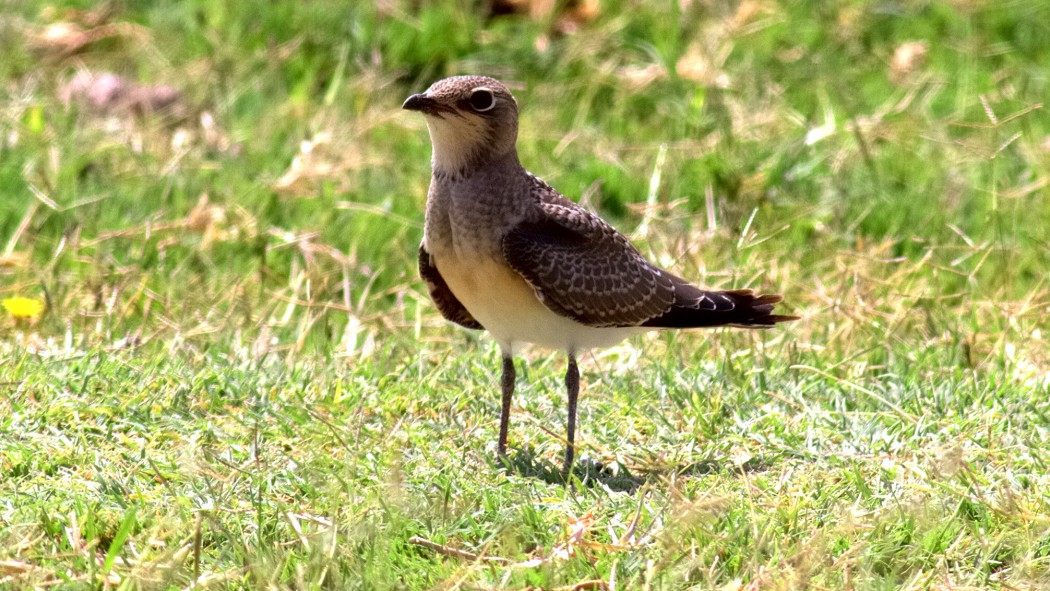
(472, 120)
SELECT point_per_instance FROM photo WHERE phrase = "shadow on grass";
(586, 471)
(710, 466)
(619, 478)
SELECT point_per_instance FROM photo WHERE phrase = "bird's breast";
(508, 307)
(464, 228)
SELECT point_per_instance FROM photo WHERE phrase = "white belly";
(508, 308)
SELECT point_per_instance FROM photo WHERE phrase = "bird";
(503, 251)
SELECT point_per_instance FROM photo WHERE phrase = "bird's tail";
(696, 308)
(755, 311)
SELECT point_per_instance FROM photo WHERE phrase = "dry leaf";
(638, 77)
(748, 13)
(578, 529)
(13, 259)
(206, 218)
(322, 159)
(63, 39)
(907, 58)
(100, 14)
(14, 567)
(696, 65)
(310, 165)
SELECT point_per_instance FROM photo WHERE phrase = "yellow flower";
(19, 307)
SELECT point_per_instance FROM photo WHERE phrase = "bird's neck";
(458, 167)
(463, 150)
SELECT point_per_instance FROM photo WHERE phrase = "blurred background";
(195, 168)
(214, 344)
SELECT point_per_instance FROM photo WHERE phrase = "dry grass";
(238, 382)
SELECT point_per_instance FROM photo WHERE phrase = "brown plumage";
(505, 252)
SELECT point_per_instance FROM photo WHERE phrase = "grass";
(239, 383)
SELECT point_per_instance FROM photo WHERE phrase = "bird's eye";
(481, 100)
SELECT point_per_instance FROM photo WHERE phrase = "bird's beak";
(428, 106)
(420, 102)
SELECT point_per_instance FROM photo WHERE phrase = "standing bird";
(502, 251)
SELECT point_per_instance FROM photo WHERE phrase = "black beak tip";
(416, 102)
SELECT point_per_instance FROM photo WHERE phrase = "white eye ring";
(479, 93)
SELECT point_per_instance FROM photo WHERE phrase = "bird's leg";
(507, 384)
(572, 384)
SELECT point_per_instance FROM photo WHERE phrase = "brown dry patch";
(566, 17)
(13, 260)
(339, 149)
(105, 93)
(705, 59)
(908, 58)
(322, 159)
(154, 118)
(61, 40)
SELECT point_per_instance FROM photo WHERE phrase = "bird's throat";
(457, 148)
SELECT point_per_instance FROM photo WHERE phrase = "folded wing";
(582, 268)
(450, 307)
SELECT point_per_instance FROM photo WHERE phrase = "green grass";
(239, 386)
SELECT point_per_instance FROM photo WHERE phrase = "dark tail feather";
(757, 309)
(739, 307)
